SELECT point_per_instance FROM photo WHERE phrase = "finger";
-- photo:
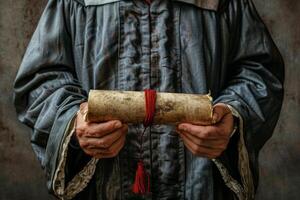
(110, 152)
(102, 129)
(99, 129)
(83, 109)
(211, 144)
(80, 117)
(117, 146)
(198, 150)
(201, 132)
(105, 141)
(219, 111)
(82, 112)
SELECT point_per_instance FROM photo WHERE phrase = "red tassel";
(141, 185)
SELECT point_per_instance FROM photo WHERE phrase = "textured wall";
(21, 177)
(280, 157)
(20, 174)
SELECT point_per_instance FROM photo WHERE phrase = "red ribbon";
(150, 100)
(142, 179)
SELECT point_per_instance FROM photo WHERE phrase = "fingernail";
(117, 125)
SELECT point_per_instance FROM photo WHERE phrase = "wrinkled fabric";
(221, 47)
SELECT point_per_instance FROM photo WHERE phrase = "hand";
(100, 140)
(209, 141)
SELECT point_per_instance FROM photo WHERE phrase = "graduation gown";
(182, 46)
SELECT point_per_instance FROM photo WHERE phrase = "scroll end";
(210, 98)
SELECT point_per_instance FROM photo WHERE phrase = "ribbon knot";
(150, 100)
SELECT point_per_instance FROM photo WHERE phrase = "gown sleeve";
(47, 93)
(253, 89)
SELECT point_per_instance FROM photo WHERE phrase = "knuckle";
(79, 131)
(113, 125)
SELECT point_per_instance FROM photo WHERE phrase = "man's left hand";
(209, 141)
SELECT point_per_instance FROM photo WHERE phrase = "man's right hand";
(100, 140)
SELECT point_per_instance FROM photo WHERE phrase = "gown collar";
(205, 4)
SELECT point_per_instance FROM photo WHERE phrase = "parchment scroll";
(129, 107)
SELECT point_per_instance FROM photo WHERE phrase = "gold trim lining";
(246, 190)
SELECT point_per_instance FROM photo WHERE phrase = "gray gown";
(182, 46)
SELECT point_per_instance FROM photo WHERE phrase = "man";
(183, 46)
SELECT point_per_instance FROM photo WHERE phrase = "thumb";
(83, 110)
(219, 111)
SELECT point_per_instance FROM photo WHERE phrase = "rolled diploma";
(129, 107)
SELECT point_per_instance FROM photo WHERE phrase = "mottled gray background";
(20, 174)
